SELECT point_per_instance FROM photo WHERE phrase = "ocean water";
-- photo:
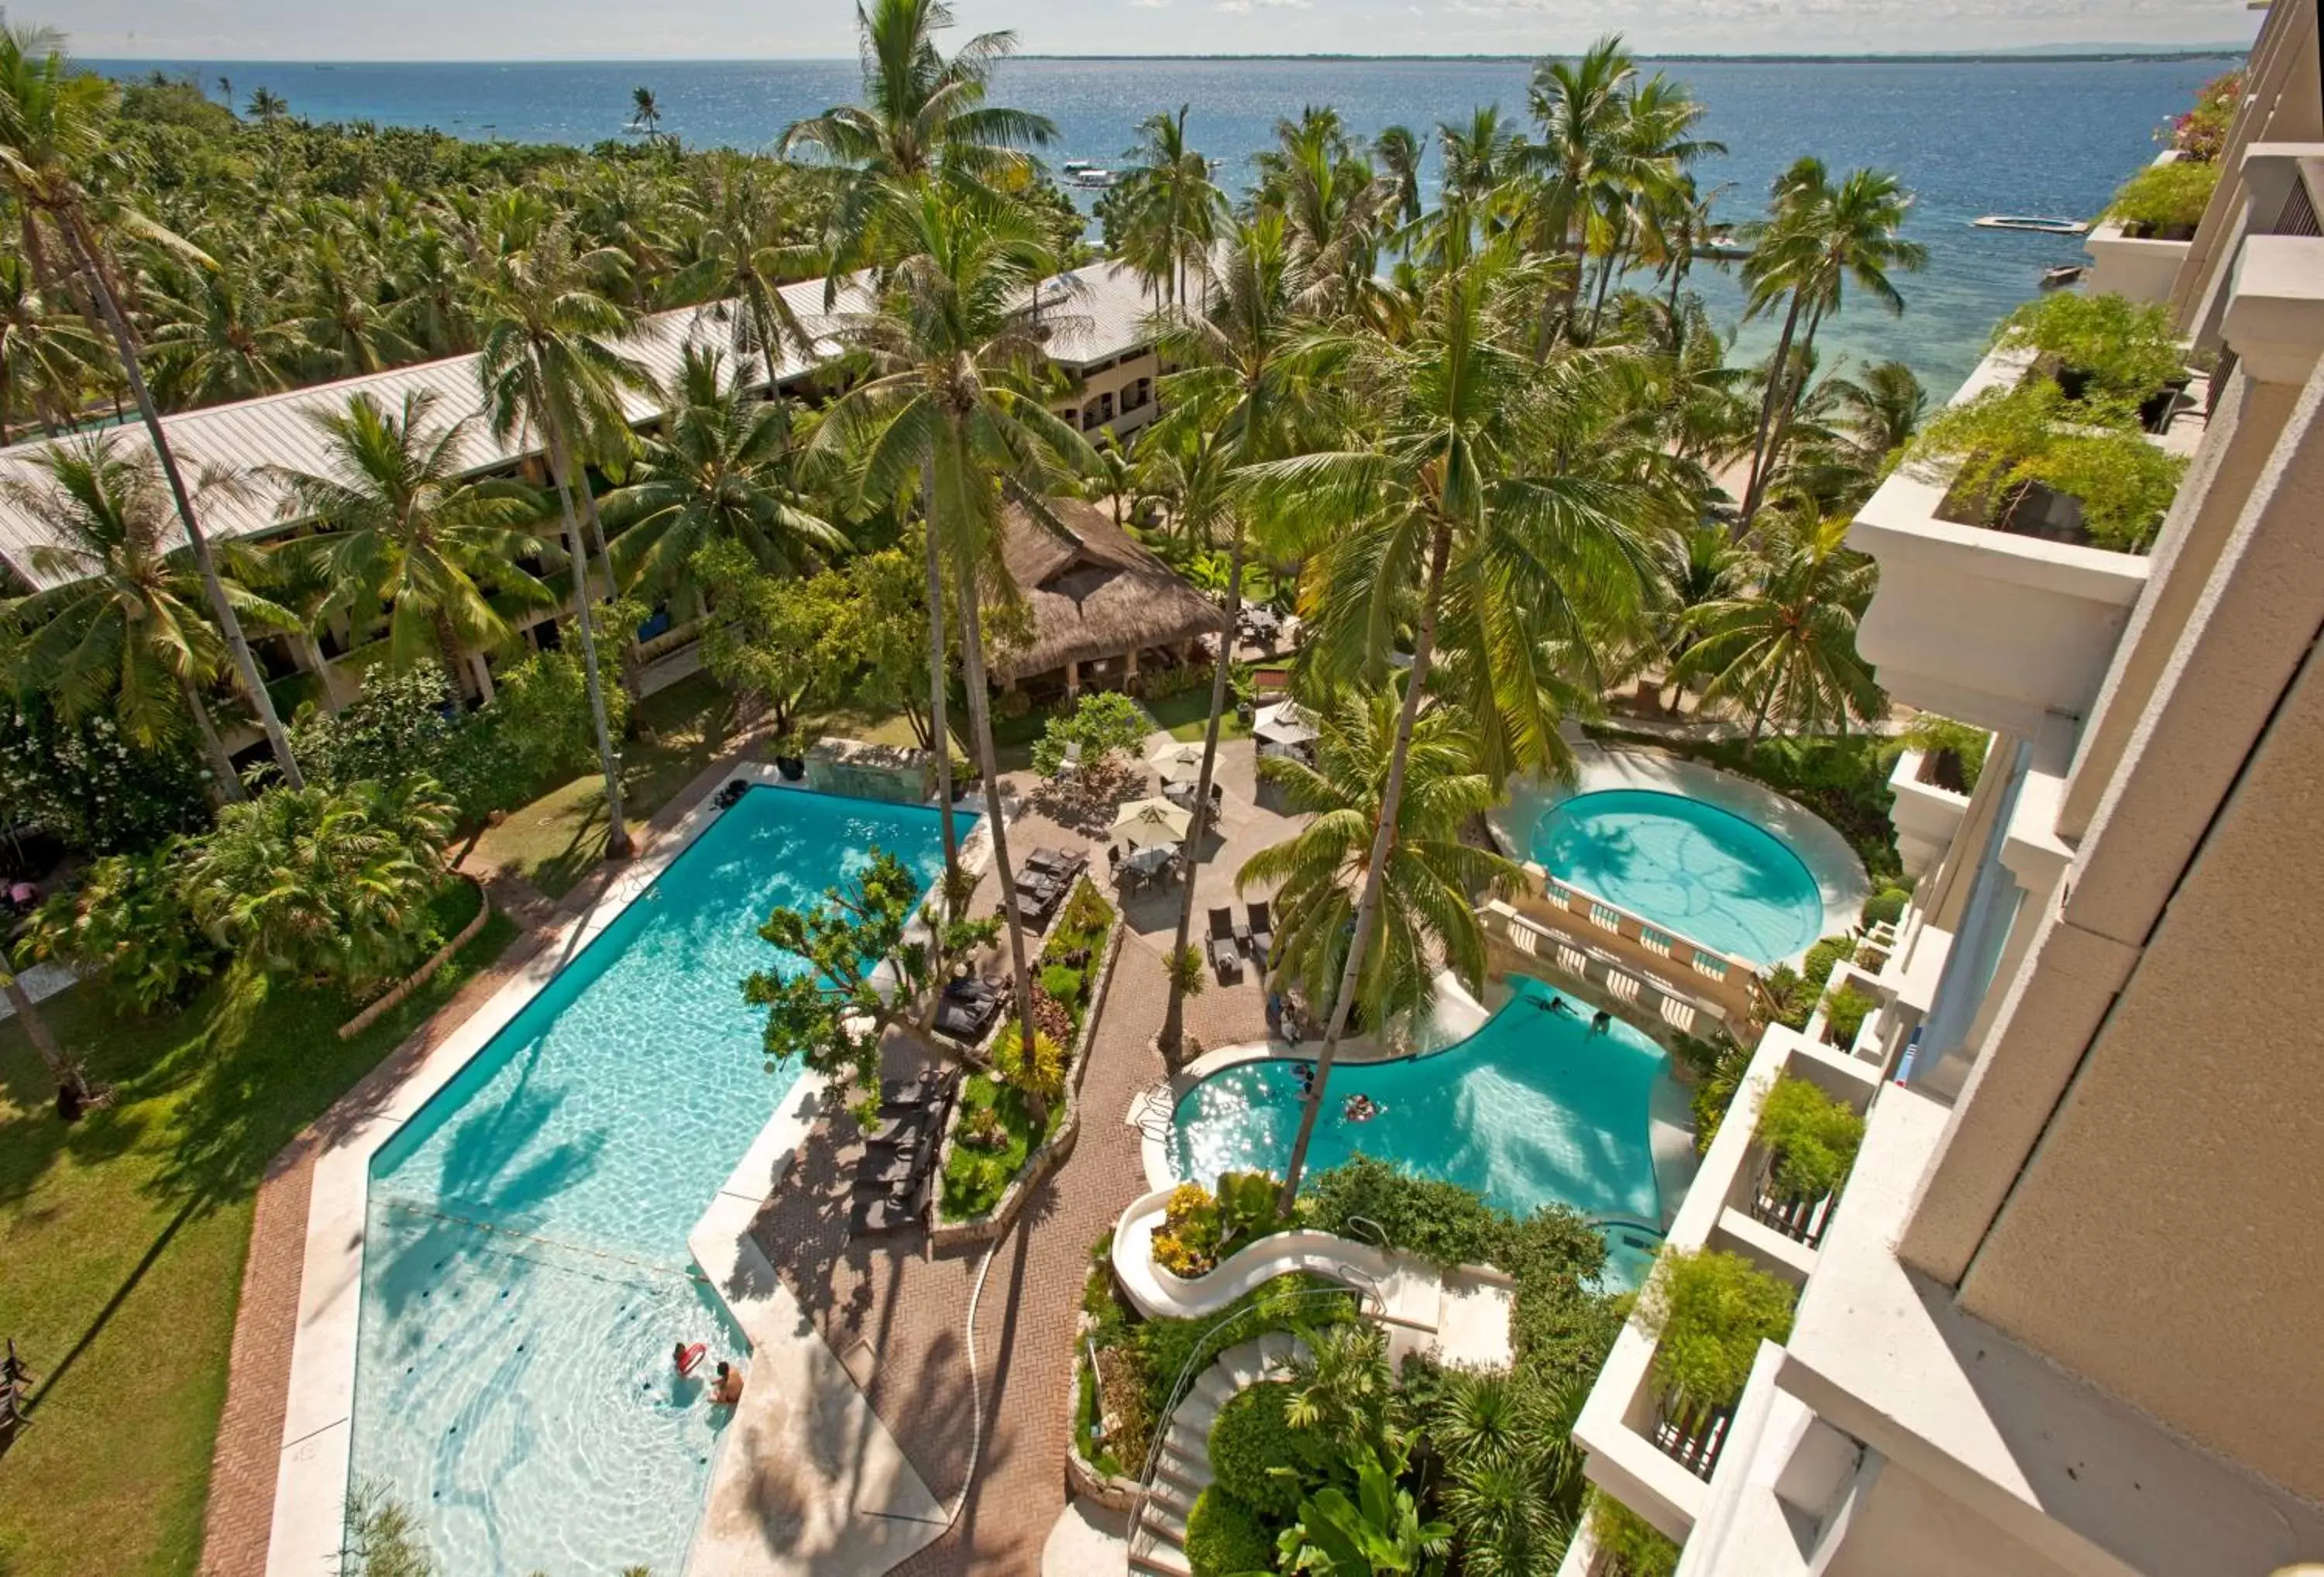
(2005, 137)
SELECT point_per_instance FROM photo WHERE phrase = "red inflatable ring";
(691, 1358)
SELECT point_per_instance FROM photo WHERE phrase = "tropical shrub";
(1956, 751)
(88, 785)
(2165, 202)
(1246, 1202)
(1844, 1013)
(128, 928)
(1226, 1536)
(1104, 723)
(1063, 984)
(2114, 347)
(2094, 452)
(1810, 1139)
(1629, 1543)
(324, 884)
(1887, 906)
(541, 707)
(1187, 1242)
(1714, 1092)
(1824, 956)
(1709, 1312)
(1288, 1303)
(1041, 1076)
(405, 725)
(1790, 998)
(976, 1175)
(1259, 1457)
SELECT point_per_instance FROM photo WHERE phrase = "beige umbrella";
(1145, 824)
(1288, 723)
(1179, 763)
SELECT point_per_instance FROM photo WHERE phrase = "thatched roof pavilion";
(1095, 597)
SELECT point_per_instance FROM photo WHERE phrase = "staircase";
(1182, 1469)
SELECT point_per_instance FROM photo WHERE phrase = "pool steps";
(1182, 1471)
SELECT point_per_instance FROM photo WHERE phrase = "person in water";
(1362, 1108)
(1601, 1022)
(683, 1358)
(1559, 1005)
(728, 1391)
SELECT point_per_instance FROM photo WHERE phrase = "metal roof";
(1099, 315)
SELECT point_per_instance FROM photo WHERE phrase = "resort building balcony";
(2127, 262)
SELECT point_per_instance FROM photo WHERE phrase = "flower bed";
(983, 1187)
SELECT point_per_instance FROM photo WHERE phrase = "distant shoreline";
(2036, 57)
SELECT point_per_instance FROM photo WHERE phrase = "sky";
(567, 30)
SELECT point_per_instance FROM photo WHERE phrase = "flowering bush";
(2202, 132)
(1187, 1244)
(90, 787)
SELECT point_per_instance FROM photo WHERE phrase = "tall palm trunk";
(939, 739)
(1424, 648)
(245, 666)
(1778, 375)
(228, 780)
(560, 462)
(1789, 404)
(65, 1069)
(980, 721)
(1174, 1017)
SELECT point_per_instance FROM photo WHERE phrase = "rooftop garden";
(2165, 200)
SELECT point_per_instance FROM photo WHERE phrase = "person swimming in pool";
(728, 1391)
(1306, 1072)
(1559, 1005)
(1361, 1108)
(1601, 1022)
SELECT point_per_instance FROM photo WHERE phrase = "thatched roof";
(1093, 592)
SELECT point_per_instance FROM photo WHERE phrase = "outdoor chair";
(874, 1217)
(966, 1019)
(1056, 861)
(1262, 934)
(901, 1131)
(1224, 959)
(901, 1096)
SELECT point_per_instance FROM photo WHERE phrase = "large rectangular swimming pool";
(525, 1271)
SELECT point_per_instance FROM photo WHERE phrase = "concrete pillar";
(483, 671)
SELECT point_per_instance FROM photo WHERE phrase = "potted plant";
(2033, 467)
(2104, 348)
(1809, 1141)
(1844, 1013)
(2165, 202)
(1709, 1311)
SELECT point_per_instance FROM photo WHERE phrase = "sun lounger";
(966, 1019)
(1056, 861)
(900, 1131)
(1224, 959)
(887, 1213)
(1262, 934)
(913, 1094)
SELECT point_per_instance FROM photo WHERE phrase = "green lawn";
(1188, 714)
(122, 1242)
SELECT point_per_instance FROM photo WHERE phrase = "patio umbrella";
(1145, 824)
(1146, 862)
(1179, 763)
(1286, 722)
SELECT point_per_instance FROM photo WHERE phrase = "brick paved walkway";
(889, 1304)
(239, 1514)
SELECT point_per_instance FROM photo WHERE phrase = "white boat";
(2064, 274)
(2033, 223)
(1091, 177)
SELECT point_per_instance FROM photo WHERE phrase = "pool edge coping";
(306, 1532)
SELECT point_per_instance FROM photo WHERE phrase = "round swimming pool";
(1704, 872)
(1534, 1109)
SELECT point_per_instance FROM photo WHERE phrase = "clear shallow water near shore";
(2014, 136)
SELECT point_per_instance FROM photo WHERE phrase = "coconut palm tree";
(645, 111)
(1816, 238)
(65, 1069)
(1883, 406)
(1331, 205)
(1398, 153)
(1786, 646)
(1479, 157)
(720, 468)
(45, 351)
(1582, 167)
(217, 334)
(548, 365)
(1425, 898)
(267, 106)
(1239, 397)
(746, 247)
(403, 535)
(1658, 148)
(921, 113)
(1455, 509)
(1172, 211)
(122, 628)
(53, 121)
(956, 402)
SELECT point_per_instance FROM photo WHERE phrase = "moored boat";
(2033, 223)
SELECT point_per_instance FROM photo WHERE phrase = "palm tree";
(1455, 499)
(1426, 914)
(1817, 236)
(267, 106)
(65, 1069)
(1884, 407)
(921, 114)
(45, 353)
(217, 334)
(1478, 157)
(745, 250)
(1582, 167)
(720, 468)
(645, 112)
(1398, 151)
(1511, 1469)
(1658, 148)
(53, 121)
(121, 628)
(402, 534)
(1113, 479)
(955, 402)
(548, 365)
(1171, 208)
(1786, 647)
(1331, 205)
(1239, 400)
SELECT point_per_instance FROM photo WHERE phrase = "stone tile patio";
(897, 1314)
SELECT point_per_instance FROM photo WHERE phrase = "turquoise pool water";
(525, 1269)
(1705, 872)
(1531, 1110)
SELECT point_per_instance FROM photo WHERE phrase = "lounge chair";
(1056, 861)
(1262, 934)
(887, 1213)
(901, 1131)
(1224, 959)
(913, 1094)
(966, 1019)
(887, 1171)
